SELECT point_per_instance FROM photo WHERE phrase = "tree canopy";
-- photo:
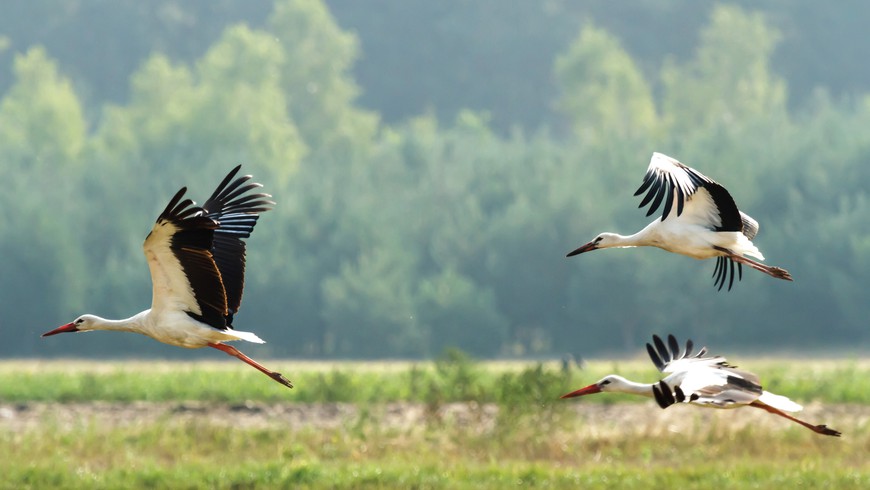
(403, 231)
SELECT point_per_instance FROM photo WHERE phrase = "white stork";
(197, 261)
(705, 381)
(707, 222)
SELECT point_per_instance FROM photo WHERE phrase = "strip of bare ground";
(594, 418)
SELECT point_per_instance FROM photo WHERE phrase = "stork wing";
(724, 270)
(184, 275)
(236, 213)
(719, 385)
(674, 358)
(703, 201)
(699, 379)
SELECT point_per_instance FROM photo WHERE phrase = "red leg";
(819, 429)
(236, 353)
(777, 272)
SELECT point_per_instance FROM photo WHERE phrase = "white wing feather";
(171, 290)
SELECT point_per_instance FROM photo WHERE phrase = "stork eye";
(605, 382)
(79, 321)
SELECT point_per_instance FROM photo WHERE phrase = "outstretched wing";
(236, 211)
(718, 386)
(702, 199)
(698, 379)
(184, 275)
(672, 357)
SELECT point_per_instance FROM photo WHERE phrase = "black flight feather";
(236, 214)
(209, 244)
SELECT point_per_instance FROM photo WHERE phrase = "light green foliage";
(729, 80)
(41, 123)
(316, 78)
(372, 297)
(228, 109)
(603, 91)
(449, 303)
(244, 104)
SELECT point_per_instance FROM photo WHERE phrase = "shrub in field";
(457, 378)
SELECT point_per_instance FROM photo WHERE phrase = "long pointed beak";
(69, 327)
(585, 248)
(589, 390)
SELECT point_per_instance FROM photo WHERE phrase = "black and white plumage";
(693, 377)
(196, 255)
(699, 219)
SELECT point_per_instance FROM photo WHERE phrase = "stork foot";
(825, 430)
(281, 379)
(780, 273)
(772, 271)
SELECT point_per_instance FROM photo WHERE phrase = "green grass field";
(454, 424)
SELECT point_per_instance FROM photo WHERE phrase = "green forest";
(432, 163)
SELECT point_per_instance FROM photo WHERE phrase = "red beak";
(69, 327)
(585, 248)
(589, 390)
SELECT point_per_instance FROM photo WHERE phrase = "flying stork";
(197, 260)
(706, 381)
(706, 224)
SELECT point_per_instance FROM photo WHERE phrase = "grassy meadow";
(449, 424)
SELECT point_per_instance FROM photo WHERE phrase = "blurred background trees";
(432, 163)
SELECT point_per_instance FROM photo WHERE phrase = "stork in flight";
(197, 259)
(706, 224)
(705, 381)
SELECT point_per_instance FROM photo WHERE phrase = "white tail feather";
(744, 246)
(779, 401)
(248, 336)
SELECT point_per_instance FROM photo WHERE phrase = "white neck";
(639, 239)
(647, 236)
(618, 384)
(632, 388)
(133, 324)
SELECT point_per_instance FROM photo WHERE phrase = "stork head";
(611, 382)
(604, 240)
(83, 323)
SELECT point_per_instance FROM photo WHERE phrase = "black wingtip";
(675, 346)
(654, 357)
(167, 211)
(647, 181)
(725, 272)
(662, 394)
(680, 396)
(662, 350)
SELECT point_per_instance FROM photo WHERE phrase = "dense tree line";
(436, 57)
(402, 239)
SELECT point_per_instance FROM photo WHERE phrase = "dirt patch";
(596, 420)
(24, 416)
